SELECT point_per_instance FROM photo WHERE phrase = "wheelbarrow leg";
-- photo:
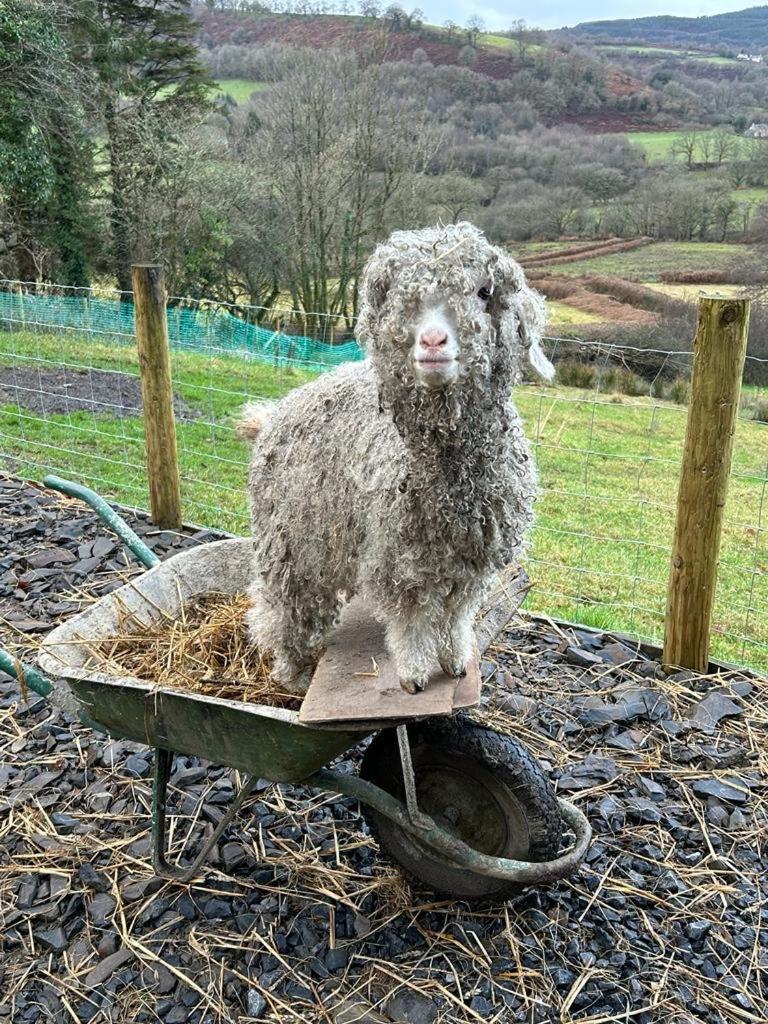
(163, 762)
(418, 818)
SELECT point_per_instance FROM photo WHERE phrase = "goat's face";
(443, 306)
(435, 350)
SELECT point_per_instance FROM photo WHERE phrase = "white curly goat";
(405, 478)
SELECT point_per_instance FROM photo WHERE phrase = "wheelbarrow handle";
(108, 516)
(34, 680)
(26, 674)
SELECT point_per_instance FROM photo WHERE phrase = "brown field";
(610, 122)
(578, 293)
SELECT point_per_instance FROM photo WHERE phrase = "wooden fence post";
(157, 395)
(718, 362)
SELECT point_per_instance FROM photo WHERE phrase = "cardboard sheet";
(356, 680)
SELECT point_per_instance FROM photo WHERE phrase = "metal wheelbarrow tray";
(259, 740)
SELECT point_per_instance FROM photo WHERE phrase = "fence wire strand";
(608, 462)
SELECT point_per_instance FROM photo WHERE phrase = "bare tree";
(522, 35)
(686, 145)
(723, 210)
(475, 27)
(338, 151)
(723, 145)
(563, 206)
(395, 17)
(452, 196)
(737, 168)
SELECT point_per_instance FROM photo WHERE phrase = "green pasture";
(715, 59)
(491, 39)
(240, 89)
(750, 195)
(108, 451)
(659, 146)
(522, 249)
(608, 467)
(650, 261)
(658, 51)
(505, 43)
(563, 315)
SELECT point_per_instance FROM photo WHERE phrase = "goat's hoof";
(454, 669)
(414, 685)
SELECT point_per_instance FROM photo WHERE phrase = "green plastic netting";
(204, 329)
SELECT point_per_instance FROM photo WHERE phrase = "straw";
(206, 650)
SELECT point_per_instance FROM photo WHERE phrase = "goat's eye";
(484, 293)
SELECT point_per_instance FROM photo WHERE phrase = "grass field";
(691, 292)
(240, 89)
(658, 145)
(109, 450)
(658, 51)
(750, 195)
(649, 262)
(505, 43)
(563, 315)
(523, 249)
(608, 468)
(501, 42)
(494, 40)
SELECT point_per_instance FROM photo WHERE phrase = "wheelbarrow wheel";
(482, 786)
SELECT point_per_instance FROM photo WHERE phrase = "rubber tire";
(510, 807)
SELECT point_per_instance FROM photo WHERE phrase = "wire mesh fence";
(608, 460)
(609, 466)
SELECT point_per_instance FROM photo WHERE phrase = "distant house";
(757, 131)
(753, 58)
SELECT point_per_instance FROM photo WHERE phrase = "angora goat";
(405, 478)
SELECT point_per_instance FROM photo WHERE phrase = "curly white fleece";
(365, 482)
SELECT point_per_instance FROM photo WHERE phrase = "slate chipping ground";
(299, 918)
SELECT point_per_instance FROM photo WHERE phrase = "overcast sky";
(556, 13)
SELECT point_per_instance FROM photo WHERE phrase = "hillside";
(323, 31)
(747, 28)
(493, 56)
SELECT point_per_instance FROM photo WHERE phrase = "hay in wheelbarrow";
(206, 650)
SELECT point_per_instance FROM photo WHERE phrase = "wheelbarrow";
(464, 809)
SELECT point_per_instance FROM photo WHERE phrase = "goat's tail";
(253, 419)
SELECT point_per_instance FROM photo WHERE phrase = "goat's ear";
(531, 319)
(376, 283)
(525, 314)
(376, 287)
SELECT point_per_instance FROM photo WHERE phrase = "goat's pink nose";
(433, 337)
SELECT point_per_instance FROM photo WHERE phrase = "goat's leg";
(412, 643)
(457, 642)
(293, 629)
